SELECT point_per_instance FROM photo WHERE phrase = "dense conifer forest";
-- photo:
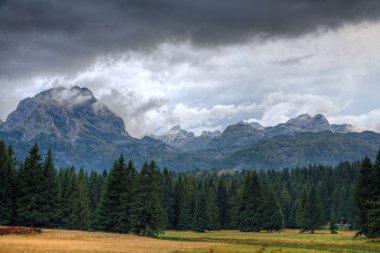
(146, 201)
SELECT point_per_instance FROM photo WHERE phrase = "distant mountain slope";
(84, 132)
(81, 130)
(306, 148)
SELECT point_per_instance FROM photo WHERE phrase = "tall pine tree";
(30, 195)
(148, 215)
(50, 193)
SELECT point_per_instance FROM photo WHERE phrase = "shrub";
(19, 230)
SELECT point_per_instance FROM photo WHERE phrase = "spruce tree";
(200, 217)
(148, 214)
(333, 227)
(300, 209)
(12, 180)
(374, 203)
(50, 193)
(313, 213)
(95, 189)
(72, 205)
(7, 185)
(251, 204)
(212, 209)
(67, 178)
(30, 192)
(272, 216)
(186, 205)
(168, 201)
(363, 195)
(112, 213)
(234, 202)
(177, 200)
(84, 202)
(222, 198)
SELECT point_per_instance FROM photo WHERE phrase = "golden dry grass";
(226, 241)
(78, 241)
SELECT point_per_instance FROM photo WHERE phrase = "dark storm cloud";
(42, 37)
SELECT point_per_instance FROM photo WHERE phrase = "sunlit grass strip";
(278, 242)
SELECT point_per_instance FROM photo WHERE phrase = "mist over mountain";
(84, 132)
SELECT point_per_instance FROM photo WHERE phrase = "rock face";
(176, 136)
(210, 134)
(257, 125)
(243, 133)
(315, 124)
(301, 124)
(83, 132)
(63, 113)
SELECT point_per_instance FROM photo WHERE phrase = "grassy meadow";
(225, 241)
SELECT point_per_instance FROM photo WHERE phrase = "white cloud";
(335, 73)
(368, 121)
(279, 107)
(217, 117)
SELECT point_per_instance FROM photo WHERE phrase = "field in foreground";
(287, 241)
(189, 242)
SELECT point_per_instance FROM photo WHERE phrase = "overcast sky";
(202, 64)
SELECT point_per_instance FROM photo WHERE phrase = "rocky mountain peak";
(241, 128)
(63, 112)
(175, 129)
(212, 134)
(257, 125)
(174, 135)
(317, 123)
(300, 120)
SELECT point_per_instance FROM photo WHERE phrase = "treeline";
(147, 201)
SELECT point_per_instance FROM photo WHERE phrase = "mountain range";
(86, 133)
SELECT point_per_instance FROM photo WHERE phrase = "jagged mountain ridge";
(63, 113)
(84, 132)
(244, 133)
(81, 130)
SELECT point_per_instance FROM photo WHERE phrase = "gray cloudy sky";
(202, 64)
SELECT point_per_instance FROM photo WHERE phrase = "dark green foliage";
(374, 219)
(168, 201)
(367, 198)
(234, 200)
(148, 215)
(212, 209)
(114, 208)
(333, 227)
(84, 202)
(301, 206)
(30, 194)
(312, 212)
(364, 194)
(223, 206)
(186, 204)
(95, 189)
(50, 193)
(251, 207)
(272, 216)
(7, 185)
(149, 201)
(200, 216)
(79, 203)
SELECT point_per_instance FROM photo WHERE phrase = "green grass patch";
(286, 241)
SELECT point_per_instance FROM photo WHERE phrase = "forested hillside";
(146, 201)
